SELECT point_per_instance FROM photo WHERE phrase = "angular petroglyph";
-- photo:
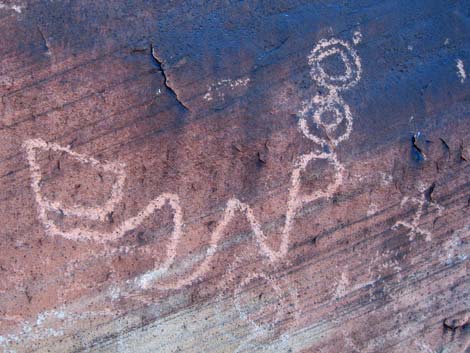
(234, 207)
(95, 213)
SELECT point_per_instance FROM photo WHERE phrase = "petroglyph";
(234, 205)
(351, 61)
(321, 105)
(94, 213)
(284, 95)
(14, 7)
(456, 248)
(461, 71)
(218, 89)
(357, 37)
(413, 226)
(258, 296)
(317, 107)
(344, 286)
(372, 209)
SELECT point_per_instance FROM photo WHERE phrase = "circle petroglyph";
(316, 109)
(245, 314)
(329, 111)
(351, 62)
(262, 307)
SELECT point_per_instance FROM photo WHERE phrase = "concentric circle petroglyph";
(315, 111)
(350, 59)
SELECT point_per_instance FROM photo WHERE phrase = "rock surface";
(235, 176)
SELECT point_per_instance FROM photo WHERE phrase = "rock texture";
(235, 176)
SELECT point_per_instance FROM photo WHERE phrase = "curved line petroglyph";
(285, 305)
(319, 105)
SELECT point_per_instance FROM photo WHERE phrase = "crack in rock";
(44, 42)
(159, 63)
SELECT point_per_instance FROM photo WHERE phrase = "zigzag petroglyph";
(313, 109)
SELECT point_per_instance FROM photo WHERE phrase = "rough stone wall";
(234, 176)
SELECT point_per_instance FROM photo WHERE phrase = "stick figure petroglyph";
(413, 226)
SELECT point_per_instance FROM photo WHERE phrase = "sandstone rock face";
(235, 176)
